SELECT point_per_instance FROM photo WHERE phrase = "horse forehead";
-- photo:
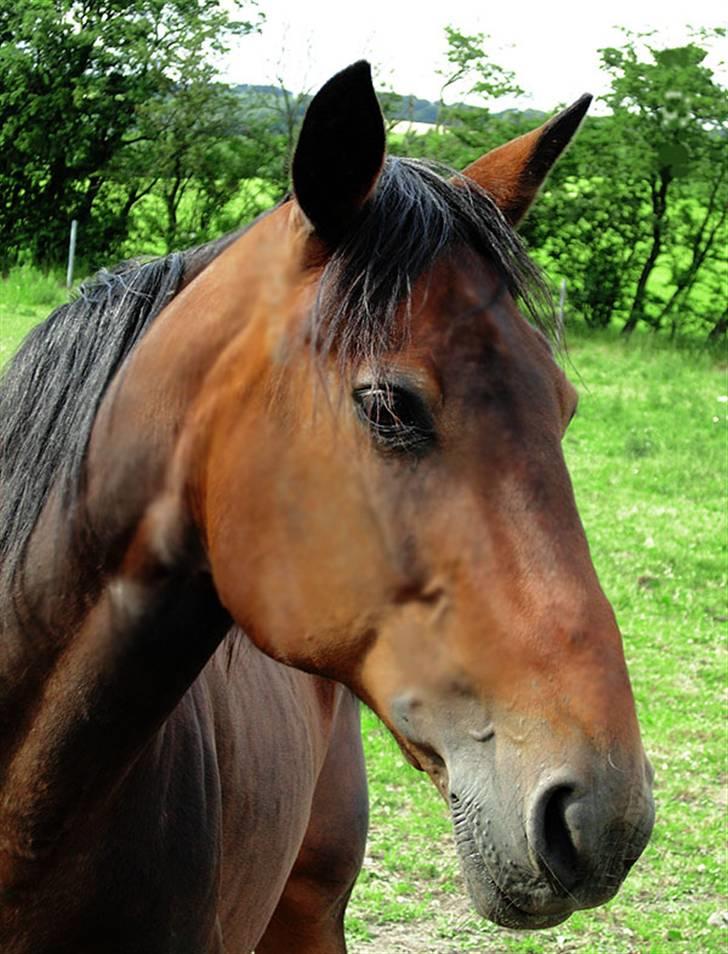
(461, 280)
(464, 311)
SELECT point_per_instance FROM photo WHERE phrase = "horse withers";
(316, 460)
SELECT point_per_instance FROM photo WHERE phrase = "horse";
(245, 487)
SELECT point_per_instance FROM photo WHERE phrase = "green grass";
(27, 295)
(648, 453)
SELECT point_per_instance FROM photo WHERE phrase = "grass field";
(26, 297)
(648, 453)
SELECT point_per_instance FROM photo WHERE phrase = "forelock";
(420, 211)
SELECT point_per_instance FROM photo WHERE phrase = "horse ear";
(514, 173)
(340, 152)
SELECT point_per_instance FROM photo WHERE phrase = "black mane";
(52, 388)
(419, 211)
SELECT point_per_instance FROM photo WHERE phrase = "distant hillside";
(416, 110)
(398, 107)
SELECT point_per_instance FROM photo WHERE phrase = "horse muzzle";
(545, 822)
(531, 858)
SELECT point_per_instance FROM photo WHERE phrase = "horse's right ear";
(340, 152)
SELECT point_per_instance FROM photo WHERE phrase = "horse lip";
(503, 910)
(524, 921)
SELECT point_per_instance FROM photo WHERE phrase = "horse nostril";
(558, 837)
(554, 837)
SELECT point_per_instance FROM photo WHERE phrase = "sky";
(551, 47)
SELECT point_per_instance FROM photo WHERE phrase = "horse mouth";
(495, 904)
(507, 914)
(494, 900)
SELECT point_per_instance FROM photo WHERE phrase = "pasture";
(648, 457)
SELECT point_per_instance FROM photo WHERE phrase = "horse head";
(373, 463)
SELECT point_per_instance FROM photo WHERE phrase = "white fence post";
(71, 253)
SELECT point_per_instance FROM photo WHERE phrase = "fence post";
(560, 315)
(71, 253)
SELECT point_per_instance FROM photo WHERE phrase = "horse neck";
(143, 418)
(127, 622)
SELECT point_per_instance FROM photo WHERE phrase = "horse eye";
(397, 418)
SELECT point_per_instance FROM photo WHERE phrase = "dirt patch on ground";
(419, 938)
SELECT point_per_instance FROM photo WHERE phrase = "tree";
(674, 116)
(187, 162)
(76, 77)
(272, 118)
(634, 215)
(586, 225)
(471, 72)
(462, 131)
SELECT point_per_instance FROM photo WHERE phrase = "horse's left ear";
(340, 152)
(514, 173)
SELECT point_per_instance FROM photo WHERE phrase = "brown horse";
(317, 460)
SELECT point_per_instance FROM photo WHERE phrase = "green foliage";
(461, 131)
(196, 217)
(273, 117)
(470, 68)
(110, 114)
(647, 456)
(634, 216)
(186, 166)
(84, 85)
(674, 118)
